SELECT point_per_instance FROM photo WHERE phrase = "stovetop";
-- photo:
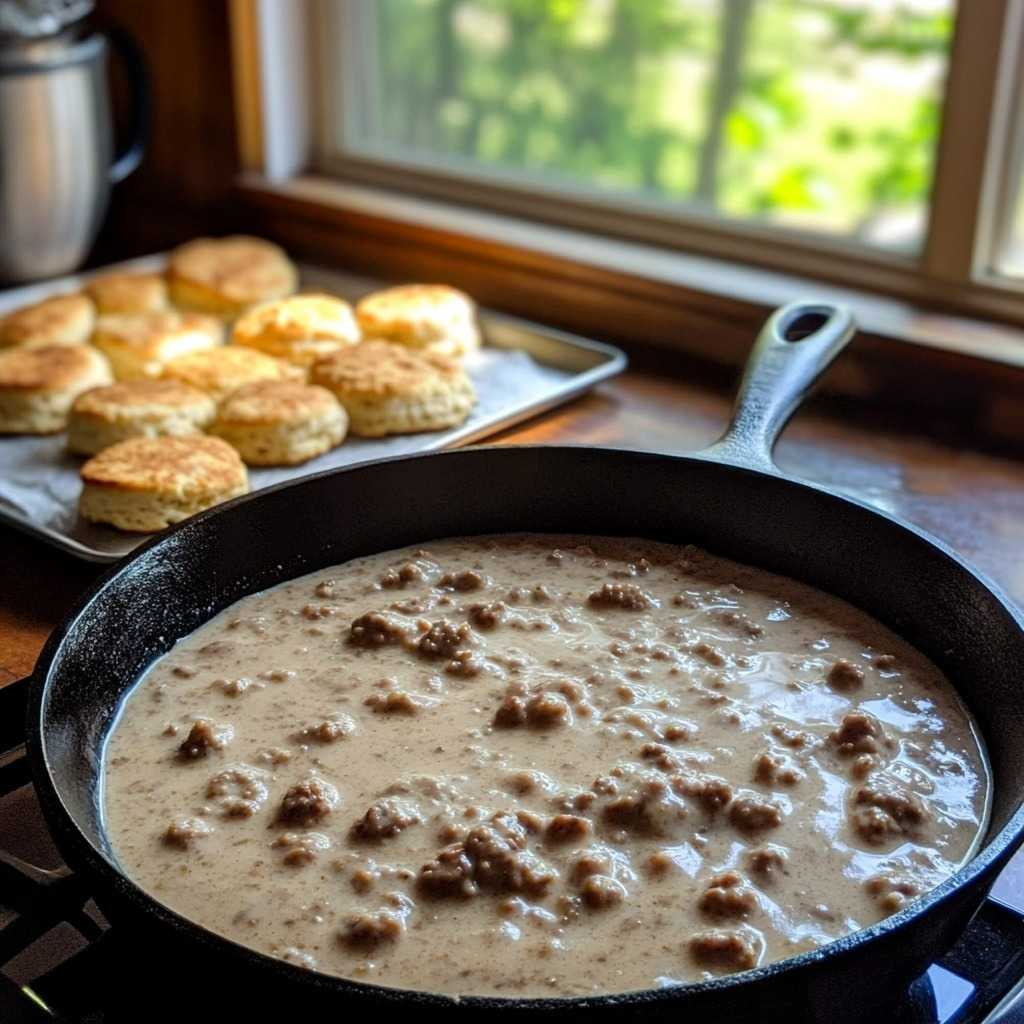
(62, 962)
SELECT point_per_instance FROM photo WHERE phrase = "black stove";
(62, 962)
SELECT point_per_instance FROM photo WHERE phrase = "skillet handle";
(795, 347)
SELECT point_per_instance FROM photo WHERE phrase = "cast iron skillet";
(730, 499)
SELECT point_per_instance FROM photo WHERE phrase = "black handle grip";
(130, 155)
(795, 347)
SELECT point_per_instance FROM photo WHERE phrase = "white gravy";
(541, 766)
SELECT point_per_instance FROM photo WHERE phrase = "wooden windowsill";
(717, 285)
(966, 374)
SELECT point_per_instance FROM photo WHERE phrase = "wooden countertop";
(973, 501)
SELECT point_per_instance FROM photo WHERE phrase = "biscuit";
(139, 408)
(300, 329)
(389, 389)
(139, 345)
(38, 385)
(427, 316)
(147, 483)
(219, 371)
(226, 276)
(280, 423)
(128, 293)
(60, 320)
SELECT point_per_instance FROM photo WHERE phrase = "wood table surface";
(972, 500)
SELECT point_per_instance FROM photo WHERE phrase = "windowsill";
(706, 282)
(945, 373)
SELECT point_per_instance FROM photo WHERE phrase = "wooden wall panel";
(184, 185)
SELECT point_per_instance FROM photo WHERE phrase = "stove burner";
(95, 974)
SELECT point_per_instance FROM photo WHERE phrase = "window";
(1004, 244)
(876, 144)
(818, 115)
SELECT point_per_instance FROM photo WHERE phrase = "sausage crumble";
(725, 950)
(884, 808)
(620, 595)
(844, 675)
(307, 802)
(183, 832)
(385, 818)
(203, 737)
(376, 629)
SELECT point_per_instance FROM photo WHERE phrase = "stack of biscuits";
(173, 383)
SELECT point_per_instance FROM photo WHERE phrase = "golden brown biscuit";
(226, 276)
(280, 423)
(147, 483)
(128, 293)
(300, 329)
(139, 408)
(424, 316)
(60, 320)
(38, 385)
(389, 389)
(221, 370)
(139, 345)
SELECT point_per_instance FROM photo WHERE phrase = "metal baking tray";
(524, 369)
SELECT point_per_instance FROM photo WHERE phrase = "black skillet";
(730, 499)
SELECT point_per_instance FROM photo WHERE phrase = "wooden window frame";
(703, 257)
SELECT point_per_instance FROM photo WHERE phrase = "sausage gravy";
(536, 765)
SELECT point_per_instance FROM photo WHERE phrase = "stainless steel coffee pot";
(57, 153)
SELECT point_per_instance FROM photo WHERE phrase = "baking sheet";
(524, 369)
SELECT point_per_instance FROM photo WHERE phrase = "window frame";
(976, 158)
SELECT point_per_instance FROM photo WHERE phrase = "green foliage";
(830, 121)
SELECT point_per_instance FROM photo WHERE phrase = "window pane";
(815, 114)
(1009, 233)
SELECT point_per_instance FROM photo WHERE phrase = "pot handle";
(795, 347)
(129, 156)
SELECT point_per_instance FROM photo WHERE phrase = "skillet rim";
(80, 850)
